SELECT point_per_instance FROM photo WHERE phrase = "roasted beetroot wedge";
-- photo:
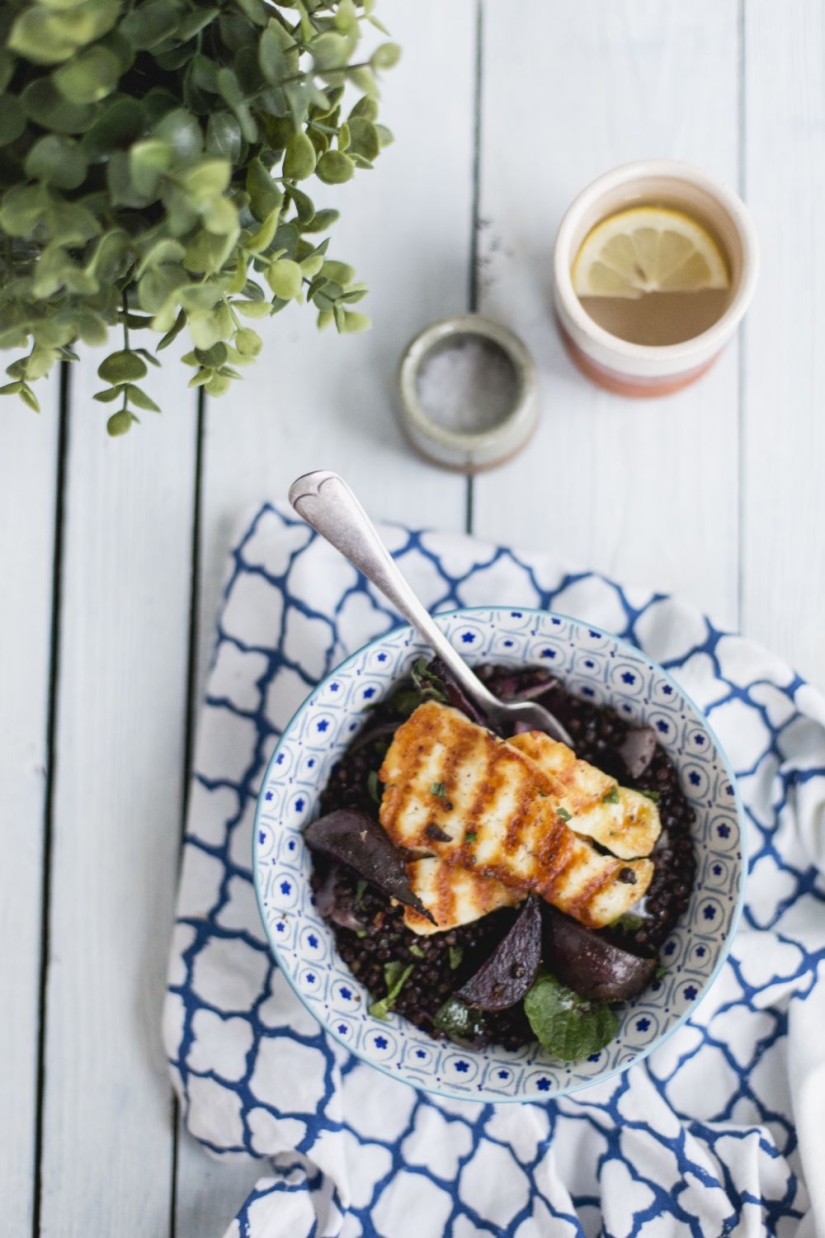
(511, 968)
(587, 962)
(354, 839)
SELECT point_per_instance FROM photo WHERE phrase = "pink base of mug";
(631, 386)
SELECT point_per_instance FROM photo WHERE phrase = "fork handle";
(326, 502)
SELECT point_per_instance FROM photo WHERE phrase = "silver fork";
(326, 502)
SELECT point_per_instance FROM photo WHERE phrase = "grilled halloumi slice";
(626, 822)
(453, 895)
(455, 790)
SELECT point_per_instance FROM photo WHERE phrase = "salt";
(467, 384)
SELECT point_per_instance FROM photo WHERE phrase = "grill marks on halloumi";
(453, 895)
(627, 824)
(454, 789)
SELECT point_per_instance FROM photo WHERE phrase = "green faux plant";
(153, 162)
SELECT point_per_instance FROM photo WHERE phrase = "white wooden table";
(111, 551)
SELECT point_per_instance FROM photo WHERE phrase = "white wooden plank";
(784, 373)
(644, 490)
(322, 401)
(318, 400)
(122, 702)
(28, 469)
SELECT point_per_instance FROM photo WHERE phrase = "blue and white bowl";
(592, 664)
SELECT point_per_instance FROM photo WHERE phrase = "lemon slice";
(648, 249)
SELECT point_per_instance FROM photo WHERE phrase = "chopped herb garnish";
(629, 923)
(429, 685)
(660, 971)
(570, 1026)
(404, 702)
(438, 789)
(417, 951)
(563, 814)
(471, 836)
(651, 795)
(396, 976)
(360, 932)
(612, 796)
(360, 891)
(456, 955)
(373, 786)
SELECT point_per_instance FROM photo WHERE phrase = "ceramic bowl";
(592, 664)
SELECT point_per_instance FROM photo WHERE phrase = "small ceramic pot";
(639, 369)
(467, 451)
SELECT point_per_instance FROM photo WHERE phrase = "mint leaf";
(456, 955)
(570, 1026)
(612, 796)
(396, 976)
(460, 1023)
(563, 814)
(651, 795)
(438, 789)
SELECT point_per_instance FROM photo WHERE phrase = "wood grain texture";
(319, 400)
(28, 452)
(107, 1152)
(643, 490)
(783, 569)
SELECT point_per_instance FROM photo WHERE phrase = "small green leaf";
(148, 162)
(651, 795)
(141, 399)
(570, 1026)
(57, 160)
(253, 309)
(563, 814)
(611, 796)
(354, 323)
(271, 54)
(284, 278)
(248, 342)
(117, 127)
(334, 168)
(122, 367)
(89, 76)
(364, 139)
(299, 160)
(330, 51)
(180, 130)
(149, 24)
(119, 423)
(223, 137)
(338, 272)
(365, 108)
(12, 120)
(386, 56)
(264, 194)
(321, 221)
(438, 789)
(205, 180)
(263, 237)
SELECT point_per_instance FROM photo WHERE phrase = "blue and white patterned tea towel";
(719, 1132)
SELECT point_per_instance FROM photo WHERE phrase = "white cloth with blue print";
(721, 1131)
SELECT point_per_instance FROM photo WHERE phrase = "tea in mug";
(652, 275)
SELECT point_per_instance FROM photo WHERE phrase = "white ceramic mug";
(642, 369)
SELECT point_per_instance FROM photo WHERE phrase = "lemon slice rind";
(648, 249)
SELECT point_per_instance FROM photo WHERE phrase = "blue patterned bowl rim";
(410, 639)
